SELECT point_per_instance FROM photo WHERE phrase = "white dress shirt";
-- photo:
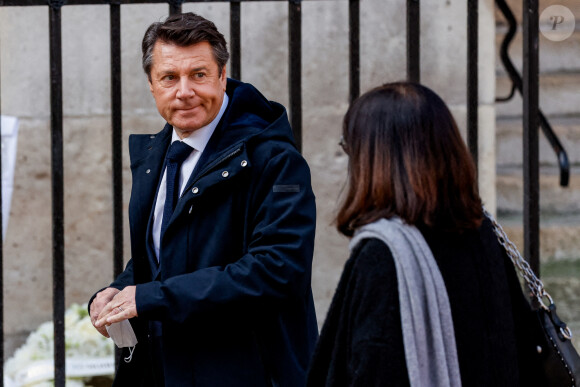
(198, 140)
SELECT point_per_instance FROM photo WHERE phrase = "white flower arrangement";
(88, 354)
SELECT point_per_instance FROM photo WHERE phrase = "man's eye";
(199, 75)
(168, 78)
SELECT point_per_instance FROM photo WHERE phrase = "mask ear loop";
(130, 357)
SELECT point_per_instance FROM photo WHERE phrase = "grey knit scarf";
(428, 335)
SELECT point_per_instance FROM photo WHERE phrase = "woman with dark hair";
(428, 296)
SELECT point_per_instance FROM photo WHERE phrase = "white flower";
(81, 341)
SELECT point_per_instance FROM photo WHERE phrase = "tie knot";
(178, 151)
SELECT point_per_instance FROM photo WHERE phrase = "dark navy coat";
(232, 290)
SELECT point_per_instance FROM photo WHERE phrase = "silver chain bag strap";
(553, 341)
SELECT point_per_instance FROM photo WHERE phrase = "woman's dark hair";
(183, 30)
(407, 159)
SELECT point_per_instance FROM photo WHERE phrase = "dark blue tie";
(177, 153)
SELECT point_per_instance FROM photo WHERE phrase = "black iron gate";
(529, 91)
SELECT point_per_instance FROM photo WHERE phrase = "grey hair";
(184, 30)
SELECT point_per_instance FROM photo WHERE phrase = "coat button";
(195, 190)
(148, 171)
(152, 136)
(244, 163)
(225, 174)
(190, 209)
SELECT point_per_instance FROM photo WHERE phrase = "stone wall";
(25, 92)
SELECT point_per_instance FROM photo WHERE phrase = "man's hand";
(99, 302)
(121, 307)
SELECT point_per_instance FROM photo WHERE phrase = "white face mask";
(123, 335)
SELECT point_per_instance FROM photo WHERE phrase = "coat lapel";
(147, 154)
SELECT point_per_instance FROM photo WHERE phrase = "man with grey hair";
(222, 219)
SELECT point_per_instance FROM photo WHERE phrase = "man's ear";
(224, 77)
(150, 86)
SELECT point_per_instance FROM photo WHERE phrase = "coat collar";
(147, 153)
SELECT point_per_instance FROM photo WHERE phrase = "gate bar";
(413, 41)
(354, 48)
(174, 6)
(117, 138)
(531, 142)
(57, 172)
(472, 78)
(116, 145)
(295, 68)
(235, 40)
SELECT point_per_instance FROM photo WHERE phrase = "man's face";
(187, 86)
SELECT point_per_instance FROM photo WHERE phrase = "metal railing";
(530, 91)
(516, 79)
(533, 118)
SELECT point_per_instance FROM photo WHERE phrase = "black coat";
(233, 290)
(361, 342)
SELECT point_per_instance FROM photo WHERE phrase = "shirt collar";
(199, 138)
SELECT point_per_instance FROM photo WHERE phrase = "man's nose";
(185, 88)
